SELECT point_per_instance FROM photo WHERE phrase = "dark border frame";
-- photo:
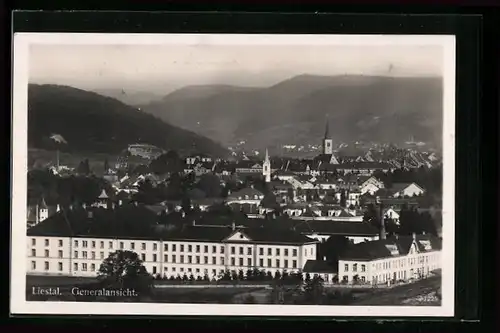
(468, 31)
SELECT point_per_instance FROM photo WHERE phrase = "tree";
(106, 165)
(313, 290)
(277, 275)
(269, 276)
(241, 275)
(124, 269)
(308, 277)
(166, 163)
(210, 185)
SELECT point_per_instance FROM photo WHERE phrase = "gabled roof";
(380, 249)
(250, 192)
(103, 195)
(319, 266)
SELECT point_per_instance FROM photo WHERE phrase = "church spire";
(327, 128)
(267, 155)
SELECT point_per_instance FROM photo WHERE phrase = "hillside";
(90, 122)
(382, 109)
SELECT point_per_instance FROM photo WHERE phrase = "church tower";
(266, 168)
(327, 142)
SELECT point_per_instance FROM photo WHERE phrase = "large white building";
(75, 243)
(391, 260)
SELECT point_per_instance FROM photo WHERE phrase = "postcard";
(226, 174)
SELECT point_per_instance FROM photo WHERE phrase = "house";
(399, 190)
(388, 261)
(392, 214)
(322, 230)
(370, 185)
(77, 244)
(247, 195)
(322, 269)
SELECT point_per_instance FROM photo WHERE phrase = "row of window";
(400, 263)
(197, 248)
(354, 267)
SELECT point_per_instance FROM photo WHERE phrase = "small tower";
(43, 211)
(327, 142)
(266, 168)
(103, 199)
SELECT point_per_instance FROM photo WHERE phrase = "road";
(396, 295)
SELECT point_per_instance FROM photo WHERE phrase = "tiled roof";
(380, 249)
(319, 266)
(336, 228)
(250, 192)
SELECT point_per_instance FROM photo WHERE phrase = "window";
(197, 249)
(33, 252)
(154, 269)
(294, 263)
(60, 243)
(143, 257)
(46, 242)
(363, 268)
(75, 255)
(205, 260)
(261, 262)
(165, 258)
(174, 247)
(92, 254)
(33, 265)
(101, 254)
(173, 258)
(214, 249)
(182, 247)
(222, 249)
(222, 260)
(132, 245)
(286, 252)
(197, 259)
(249, 262)
(102, 244)
(181, 258)
(122, 245)
(93, 244)
(143, 246)
(190, 259)
(233, 261)
(249, 251)
(76, 243)
(241, 251)
(346, 267)
(214, 272)
(75, 266)
(110, 245)
(60, 254)
(60, 266)
(190, 248)
(47, 266)
(92, 267)
(277, 263)
(354, 267)
(165, 247)
(285, 264)
(84, 254)
(33, 242)
(261, 251)
(155, 247)
(241, 261)
(269, 252)
(214, 260)
(84, 243)
(233, 251)
(84, 267)
(155, 257)
(205, 249)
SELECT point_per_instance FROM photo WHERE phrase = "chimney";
(58, 208)
(324, 258)
(194, 223)
(120, 202)
(183, 214)
(414, 236)
(233, 226)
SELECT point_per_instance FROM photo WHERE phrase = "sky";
(164, 68)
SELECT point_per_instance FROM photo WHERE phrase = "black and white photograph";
(233, 174)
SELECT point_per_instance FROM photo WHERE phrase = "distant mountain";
(130, 97)
(90, 122)
(359, 108)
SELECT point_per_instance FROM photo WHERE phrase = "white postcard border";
(19, 305)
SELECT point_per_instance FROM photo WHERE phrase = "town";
(368, 220)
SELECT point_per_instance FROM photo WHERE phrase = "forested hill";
(90, 122)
